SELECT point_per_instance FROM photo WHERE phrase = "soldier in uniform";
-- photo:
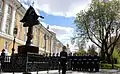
(63, 59)
(50, 62)
(84, 63)
(96, 64)
(74, 62)
(53, 61)
(80, 63)
(77, 63)
(2, 59)
(57, 61)
(70, 61)
(91, 64)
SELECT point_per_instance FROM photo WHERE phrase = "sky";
(59, 15)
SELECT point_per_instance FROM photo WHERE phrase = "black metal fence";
(35, 62)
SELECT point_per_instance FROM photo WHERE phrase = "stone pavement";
(103, 71)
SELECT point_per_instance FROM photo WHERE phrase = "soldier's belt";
(63, 57)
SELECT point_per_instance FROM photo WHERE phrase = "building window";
(43, 41)
(6, 45)
(25, 33)
(20, 30)
(1, 11)
(1, 5)
(8, 23)
(8, 27)
(15, 22)
(38, 37)
(15, 19)
(9, 10)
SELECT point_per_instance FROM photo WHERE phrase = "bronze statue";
(30, 19)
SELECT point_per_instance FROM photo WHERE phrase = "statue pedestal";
(19, 61)
(24, 49)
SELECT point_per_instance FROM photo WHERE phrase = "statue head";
(30, 18)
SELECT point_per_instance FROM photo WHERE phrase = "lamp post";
(14, 34)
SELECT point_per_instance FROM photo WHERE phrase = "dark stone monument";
(20, 60)
(30, 19)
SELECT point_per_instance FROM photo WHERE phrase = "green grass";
(117, 66)
(116, 55)
(109, 66)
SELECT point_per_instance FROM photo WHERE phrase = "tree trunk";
(109, 59)
(102, 54)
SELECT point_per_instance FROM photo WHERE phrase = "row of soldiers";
(76, 63)
(85, 63)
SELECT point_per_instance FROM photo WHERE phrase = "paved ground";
(103, 71)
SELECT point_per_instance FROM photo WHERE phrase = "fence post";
(26, 62)
(12, 63)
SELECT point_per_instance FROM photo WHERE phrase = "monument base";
(24, 49)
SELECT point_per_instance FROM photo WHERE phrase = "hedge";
(109, 66)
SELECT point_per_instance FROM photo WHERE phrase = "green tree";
(99, 23)
(79, 42)
(91, 50)
(81, 52)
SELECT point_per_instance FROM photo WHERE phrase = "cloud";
(61, 29)
(67, 8)
(63, 33)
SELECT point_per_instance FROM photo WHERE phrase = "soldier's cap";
(64, 47)
(3, 50)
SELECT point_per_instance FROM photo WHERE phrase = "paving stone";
(103, 71)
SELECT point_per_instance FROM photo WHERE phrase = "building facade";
(11, 12)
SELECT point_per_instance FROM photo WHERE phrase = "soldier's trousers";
(63, 66)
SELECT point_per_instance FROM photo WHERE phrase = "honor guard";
(2, 59)
(63, 57)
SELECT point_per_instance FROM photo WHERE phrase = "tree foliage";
(99, 24)
(81, 52)
(91, 50)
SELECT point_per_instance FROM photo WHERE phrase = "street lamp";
(14, 34)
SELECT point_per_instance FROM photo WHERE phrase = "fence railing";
(35, 62)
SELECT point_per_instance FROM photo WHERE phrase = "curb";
(40, 72)
(109, 70)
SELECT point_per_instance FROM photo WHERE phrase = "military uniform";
(63, 61)
(2, 59)
(96, 64)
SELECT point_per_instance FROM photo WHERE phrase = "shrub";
(109, 66)
(105, 66)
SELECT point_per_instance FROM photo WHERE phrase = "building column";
(50, 43)
(12, 21)
(54, 45)
(3, 24)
